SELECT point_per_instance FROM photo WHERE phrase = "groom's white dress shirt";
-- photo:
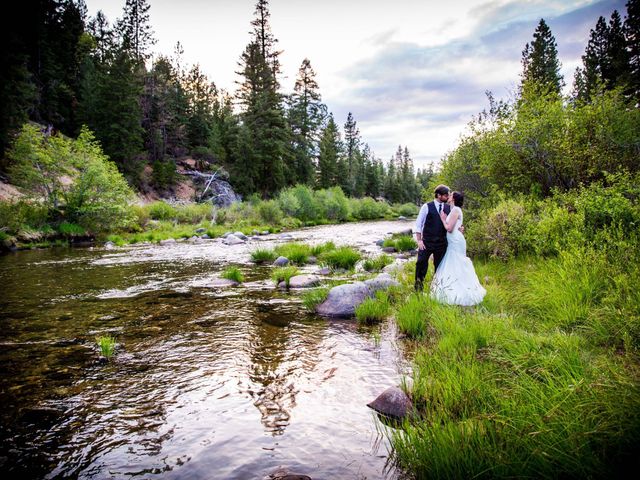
(422, 216)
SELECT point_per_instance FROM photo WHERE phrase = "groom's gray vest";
(433, 233)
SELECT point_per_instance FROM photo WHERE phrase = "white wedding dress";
(455, 282)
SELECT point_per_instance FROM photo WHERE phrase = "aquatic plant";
(233, 273)
(263, 255)
(106, 345)
(296, 252)
(343, 257)
(374, 309)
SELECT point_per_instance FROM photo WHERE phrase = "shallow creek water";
(206, 383)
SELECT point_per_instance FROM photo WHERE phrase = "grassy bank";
(540, 380)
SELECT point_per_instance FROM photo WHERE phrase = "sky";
(412, 72)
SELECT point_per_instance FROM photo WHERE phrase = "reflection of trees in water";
(282, 351)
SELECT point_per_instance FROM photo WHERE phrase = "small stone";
(232, 240)
(281, 261)
(240, 235)
(324, 271)
(205, 237)
(388, 249)
(312, 260)
(402, 217)
(109, 246)
(168, 241)
(264, 232)
(201, 230)
(380, 243)
(393, 402)
(303, 281)
(342, 300)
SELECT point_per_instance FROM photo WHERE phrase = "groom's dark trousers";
(434, 236)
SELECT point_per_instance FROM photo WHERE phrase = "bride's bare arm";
(451, 223)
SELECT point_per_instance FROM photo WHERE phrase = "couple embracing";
(440, 233)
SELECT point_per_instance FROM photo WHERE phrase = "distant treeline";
(63, 70)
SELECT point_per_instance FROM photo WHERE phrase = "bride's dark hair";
(458, 199)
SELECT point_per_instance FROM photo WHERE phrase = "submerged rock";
(342, 300)
(393, 402)
(223, 282)
(281, 261)
(283, 473)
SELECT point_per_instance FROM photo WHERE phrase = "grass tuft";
(378, 263)
(233, 273)
(343, 257)
(263, 255)
(373, 310)
(312, 298)
(284, 274)
(107, 345)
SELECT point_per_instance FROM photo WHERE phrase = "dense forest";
(64, 70)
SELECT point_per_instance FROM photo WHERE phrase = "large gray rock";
(281, 261)
(304, 281)
(381, 282)
(393, 402)
(232, 240)
(342, 300)
(240, 235)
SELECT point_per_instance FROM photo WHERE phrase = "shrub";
(343, 257)
(299, 202)
(284, 274)
(71, 229)
(333, 204)
(406, 209)
(161, 211)
(270, 212)
(193, 213)
(367, 208)
(263, 255)
(233, 273)
(317, 250)
(15, 216)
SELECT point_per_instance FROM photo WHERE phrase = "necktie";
(440, 208)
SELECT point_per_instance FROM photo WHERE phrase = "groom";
(431, 234)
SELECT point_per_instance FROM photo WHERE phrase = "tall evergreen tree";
(540, 64)
(306, 114)
(330, 153)
(352, 149)
(265, 152)
(135, 29)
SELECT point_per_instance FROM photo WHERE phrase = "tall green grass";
(233, 273)
(106, 345)
(263, 255)
(296, 252)
(342, 257)
(376, 264)
(284, 274)
(313, 297)
(374, 309)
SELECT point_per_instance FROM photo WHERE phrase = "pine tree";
(540, 61)
(330, 152)
(632, 38)
(266, 155)
(352, 148)
(306, 114)
(135, 29)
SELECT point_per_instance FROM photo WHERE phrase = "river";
(206, 383)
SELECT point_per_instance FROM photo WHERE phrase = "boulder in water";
(281, 261)
(232, 240)
(342, 300)
(304, 281)
(393, 402)
(283, 473)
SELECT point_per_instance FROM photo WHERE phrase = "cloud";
(423, 95)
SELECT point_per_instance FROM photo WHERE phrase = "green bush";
(270, 212)
(15, 216)
(342, 257)
(164, 173)
(193, 213)
(406, 209)
(71, 229)
(299, 202)
(333, 204)
(161, 211)
(367, 208)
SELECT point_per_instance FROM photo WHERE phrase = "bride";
(455, 281)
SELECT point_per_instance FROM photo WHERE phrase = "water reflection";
(208, 383)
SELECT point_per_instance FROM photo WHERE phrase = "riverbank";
(540, 380)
